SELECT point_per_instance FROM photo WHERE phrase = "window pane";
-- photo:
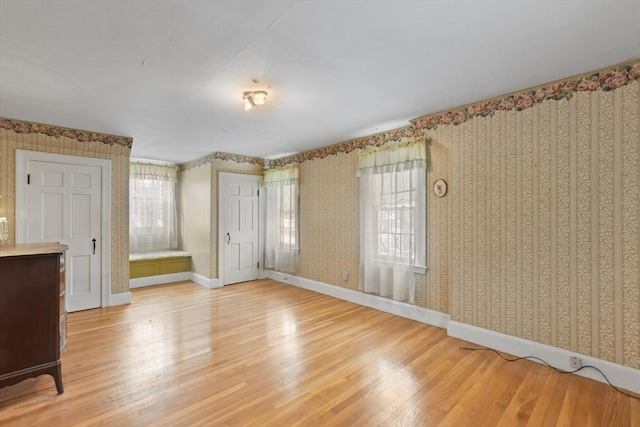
(395, 215)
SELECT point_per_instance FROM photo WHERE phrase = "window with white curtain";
(153, 218)
(281, 240)
(393, 219)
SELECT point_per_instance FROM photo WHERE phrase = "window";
(393, 222)
(153, 224)
(396, 216)
(281, 242)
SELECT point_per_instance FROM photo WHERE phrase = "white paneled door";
(241, 234)
(64, 205)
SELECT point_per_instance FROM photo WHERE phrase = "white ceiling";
(171, 74)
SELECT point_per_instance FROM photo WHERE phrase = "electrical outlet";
(345, 275)
(576, 362)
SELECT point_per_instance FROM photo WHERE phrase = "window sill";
(419, 270)
(416, 269)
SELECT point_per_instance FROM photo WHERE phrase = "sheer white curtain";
(281, 240)
(393, 219)
(153, 218)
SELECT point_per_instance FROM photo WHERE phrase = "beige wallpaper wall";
(437, 285)
(329, 221)
(545, 222)
(119, 156)
(195, 209)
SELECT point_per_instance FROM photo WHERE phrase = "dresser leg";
(57, 377)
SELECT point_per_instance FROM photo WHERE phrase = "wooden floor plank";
(269, 354)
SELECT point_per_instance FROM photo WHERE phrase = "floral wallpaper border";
(605, 80)
(209, 158)
(376, 140)
(21, 126)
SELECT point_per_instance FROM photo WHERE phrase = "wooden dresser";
(33, 319)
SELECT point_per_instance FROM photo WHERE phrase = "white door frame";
(223, 201)
(23, 157)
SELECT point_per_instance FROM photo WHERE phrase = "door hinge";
(258, 264)
(28, 179)
(258, 193)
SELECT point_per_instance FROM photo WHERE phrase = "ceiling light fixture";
(254, 98)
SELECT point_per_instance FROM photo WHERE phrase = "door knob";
(94, 246)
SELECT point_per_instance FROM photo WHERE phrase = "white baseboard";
(203, 281)
(119, 299)
(401, 309)
(621, 376)
(160, 279)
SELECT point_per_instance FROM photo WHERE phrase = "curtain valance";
(286, 173)
(153, 171)
(411, 152)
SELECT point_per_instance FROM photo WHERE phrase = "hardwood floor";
(269, 354)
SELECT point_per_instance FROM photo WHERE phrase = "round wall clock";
(440, 187)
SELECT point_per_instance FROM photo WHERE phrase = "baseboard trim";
(623, 377)
(160, 279)
(401, 309)
(206, 282)
(119, 299)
